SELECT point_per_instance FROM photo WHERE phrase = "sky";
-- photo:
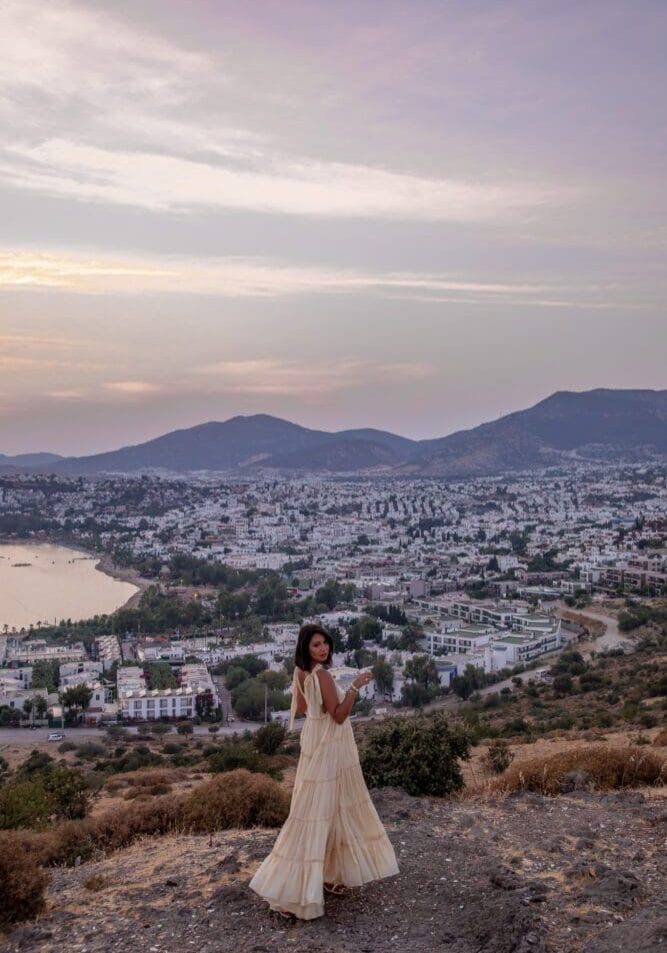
(415, 216)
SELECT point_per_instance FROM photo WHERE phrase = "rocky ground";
(582, 872)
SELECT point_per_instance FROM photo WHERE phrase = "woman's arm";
(339, 711)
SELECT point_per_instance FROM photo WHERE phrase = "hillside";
(629, 425)
(526, 873)
(246, 443)
(595, 425)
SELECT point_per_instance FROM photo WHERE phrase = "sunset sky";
(414, 215)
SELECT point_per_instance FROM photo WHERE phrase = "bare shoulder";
(324, 677)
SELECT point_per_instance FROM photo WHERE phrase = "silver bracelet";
(353, 688)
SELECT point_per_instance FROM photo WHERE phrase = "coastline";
(104, 563)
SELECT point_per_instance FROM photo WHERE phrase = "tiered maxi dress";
(333, 833)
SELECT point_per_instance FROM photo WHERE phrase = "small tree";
(420, 755)
(185, 728)
(76, 697)
(383, 674)
(69, 791)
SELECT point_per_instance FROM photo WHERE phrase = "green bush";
(68, 789)
(24, 804)
(420, 755)
(132, 760)
(269, 737)
(89, 751)
(239, 755)
(185, 728)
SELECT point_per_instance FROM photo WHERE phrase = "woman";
(333, 837)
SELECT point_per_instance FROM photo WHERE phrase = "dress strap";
(296, 687)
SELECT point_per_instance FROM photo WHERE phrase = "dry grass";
(97, 882)
(601, 767)
(660, 740)
(22, 880)
(236, 799)
(147, 777)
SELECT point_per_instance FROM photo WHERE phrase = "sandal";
(285, 914)
(338, 890)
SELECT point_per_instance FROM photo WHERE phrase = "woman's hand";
(363, 679)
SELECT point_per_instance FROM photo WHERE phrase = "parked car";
(55, 736)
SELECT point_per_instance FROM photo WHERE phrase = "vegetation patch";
(23, 881)
(596, 767)
(235, 799)
(420, 755)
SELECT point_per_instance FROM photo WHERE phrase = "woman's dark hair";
(302, 657)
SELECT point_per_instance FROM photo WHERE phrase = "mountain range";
(602, 424)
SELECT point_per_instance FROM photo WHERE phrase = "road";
(612, 637)
(26, 736)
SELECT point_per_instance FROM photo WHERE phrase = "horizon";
(414, 215)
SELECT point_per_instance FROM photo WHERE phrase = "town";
(427, 582)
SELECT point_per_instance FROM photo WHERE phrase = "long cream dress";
(333, 833)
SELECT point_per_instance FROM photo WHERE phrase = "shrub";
(172, 747)
(562, 685)
(89, 751)
(147, 778)
(240, 755)
(160, 729)
(498, 757)
(24, 804)
(37, 764)
(420, 755)
(23, 881)
(185, 728)
(605, 768)
(237, 799)
(115, 732)
(269, 737)
(119, 828)
(67, 746)
(139, 757)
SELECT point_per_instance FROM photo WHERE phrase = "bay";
(43, 582)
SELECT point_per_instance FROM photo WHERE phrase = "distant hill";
(249, 442)
(568, 426)
(29, 459)
(598, 424)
